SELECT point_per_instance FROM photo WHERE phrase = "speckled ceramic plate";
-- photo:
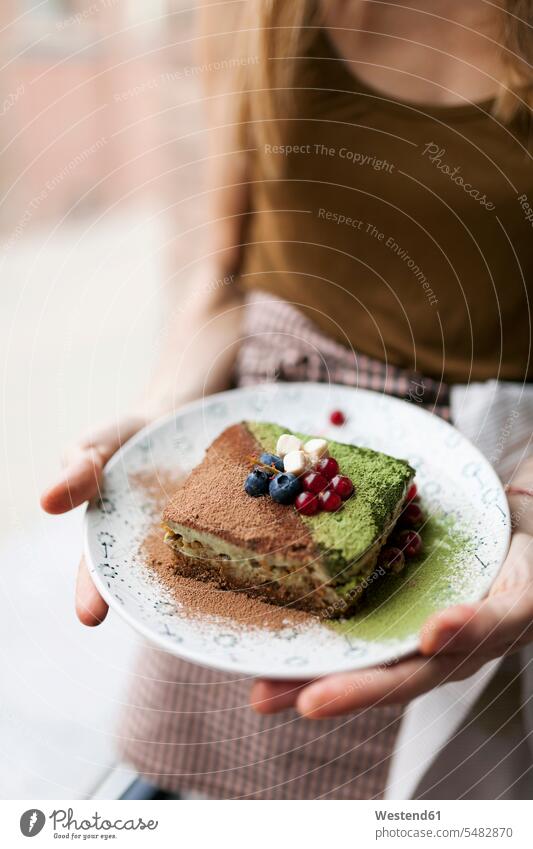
(466, 536)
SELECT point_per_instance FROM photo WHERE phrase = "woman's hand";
(80, 481)
(194, 362)
(454, 644)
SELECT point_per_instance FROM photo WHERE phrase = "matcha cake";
(289, 518)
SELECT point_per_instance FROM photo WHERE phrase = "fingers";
(517, 571)
(273, 696)
(91, 609)
(398, 684)
(440, 629)
(499, 623)
(80, 479)
(79, 482)
(109, 438)
(460, 640)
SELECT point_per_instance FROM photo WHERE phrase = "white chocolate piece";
(316, 449)
(286, 443)
(295, 462)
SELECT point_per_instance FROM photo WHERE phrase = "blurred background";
(101, 146)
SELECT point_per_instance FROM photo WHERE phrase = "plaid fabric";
(282, 344)
(190, 728)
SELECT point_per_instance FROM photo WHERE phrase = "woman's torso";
(404, 231)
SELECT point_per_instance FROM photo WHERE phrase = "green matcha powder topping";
(379, 482)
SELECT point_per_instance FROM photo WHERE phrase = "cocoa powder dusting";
(214, 501)
(158, 484)
(195, 598)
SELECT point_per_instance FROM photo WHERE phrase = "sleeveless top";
(405, 231)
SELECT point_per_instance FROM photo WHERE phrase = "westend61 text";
(407, 815)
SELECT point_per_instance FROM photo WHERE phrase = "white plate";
(454, 479)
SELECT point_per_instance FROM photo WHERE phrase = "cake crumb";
(200, 599)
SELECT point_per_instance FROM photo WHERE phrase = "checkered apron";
(188, 728)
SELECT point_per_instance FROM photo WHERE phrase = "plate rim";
(405, 649)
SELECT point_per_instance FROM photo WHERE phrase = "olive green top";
(402, 230)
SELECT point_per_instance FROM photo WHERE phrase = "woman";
(370, 226)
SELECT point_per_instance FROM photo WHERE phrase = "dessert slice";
(315, 550)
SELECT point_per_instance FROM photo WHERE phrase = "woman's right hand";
(193, 363)
(80, 479)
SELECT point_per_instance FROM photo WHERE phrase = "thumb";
(499, 623)
(80, 479)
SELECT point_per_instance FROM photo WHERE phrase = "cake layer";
(305, 586)
(320, 563)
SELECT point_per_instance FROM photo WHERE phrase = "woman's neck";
(431, 51)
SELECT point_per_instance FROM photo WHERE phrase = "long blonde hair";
(276, 30)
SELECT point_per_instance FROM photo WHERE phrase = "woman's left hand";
(454, 644)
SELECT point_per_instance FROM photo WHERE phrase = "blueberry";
(284, 488)
(272, 460)
(257, 483)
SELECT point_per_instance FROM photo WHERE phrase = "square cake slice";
(321, 563)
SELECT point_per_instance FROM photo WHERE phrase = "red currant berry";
(337, 418)
(410, 542)
(392, 558)
(412, 516)
(329, 500)
(328, 467)
(342, 486)
(307, 503)
(314, 482)
(412, 492)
